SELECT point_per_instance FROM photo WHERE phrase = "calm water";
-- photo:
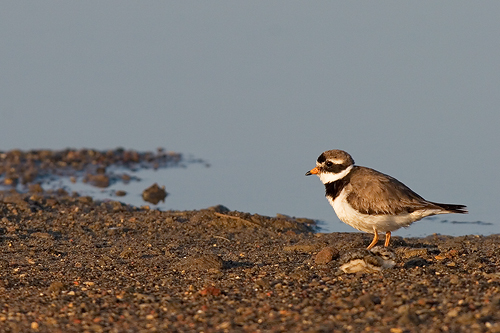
(193, 188)
(259, 90)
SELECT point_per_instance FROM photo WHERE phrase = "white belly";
(367, 223)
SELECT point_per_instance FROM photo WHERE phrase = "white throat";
(329, 177)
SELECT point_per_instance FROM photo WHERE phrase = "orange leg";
(387, 238)
(375, 239)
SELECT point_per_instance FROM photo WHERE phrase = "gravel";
(72, 264)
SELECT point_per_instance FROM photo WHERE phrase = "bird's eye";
(329, 163)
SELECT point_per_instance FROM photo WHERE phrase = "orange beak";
(312, 172)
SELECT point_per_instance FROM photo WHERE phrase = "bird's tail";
(459, 209)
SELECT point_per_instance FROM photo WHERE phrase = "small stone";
(210, 291)
(454, 279)
(204, 262)
(56, 287)
(410, 252)
(219, 209)
(51, 202)
(453, 312)
(225, 325)
(126, 178)
(36, 197)
(10, 181)
(35, 188)
(154, 194)
(326, 255)
(365, 301)
(416, 262)
(61, 192)
(85, 199)
(99, 180)
(396, 330)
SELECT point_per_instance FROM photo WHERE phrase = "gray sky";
(261, 88)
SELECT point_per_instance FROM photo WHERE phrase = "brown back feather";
(382, 194)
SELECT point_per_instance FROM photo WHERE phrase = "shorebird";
(371, 201)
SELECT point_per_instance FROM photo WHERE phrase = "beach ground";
(71, 264)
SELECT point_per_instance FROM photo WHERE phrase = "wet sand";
(72, 264)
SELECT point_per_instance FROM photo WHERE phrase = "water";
(185, 193)
(259, 90)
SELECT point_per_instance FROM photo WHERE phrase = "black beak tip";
(308, 173)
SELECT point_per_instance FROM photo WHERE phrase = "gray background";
(260, 89)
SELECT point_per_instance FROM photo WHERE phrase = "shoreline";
(70, 263)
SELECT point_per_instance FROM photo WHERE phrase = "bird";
(371, 201)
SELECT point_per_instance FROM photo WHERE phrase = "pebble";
(99, 180)
(204, 262)
(56, 287)
(326, 255)
(416, 262)
(154, 194)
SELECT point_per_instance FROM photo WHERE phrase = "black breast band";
(333, 189)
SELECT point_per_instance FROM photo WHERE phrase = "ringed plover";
(371, 201)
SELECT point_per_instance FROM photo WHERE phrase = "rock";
(416, 262)
(326, 255)
(10, 181)
(406, 252)
(201, 262)
(35, 188)
(154, 194)
(85, 199)
(365, 261)
(99, 180)
(56, 287)
(219, 209)
(366, 301)
(213, 291)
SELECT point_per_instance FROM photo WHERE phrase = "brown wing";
(372, 192)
